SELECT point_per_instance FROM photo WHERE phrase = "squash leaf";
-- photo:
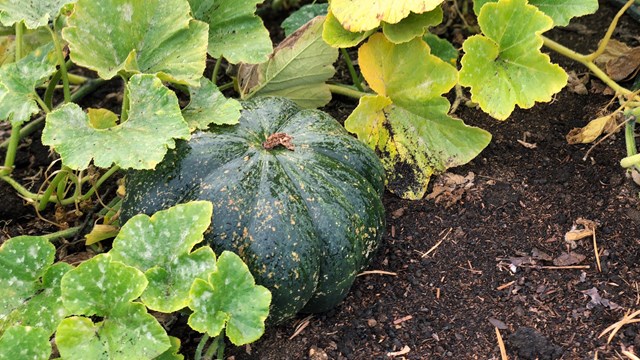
(139, 143)
(505, 67)
(235, 32)
(208, 106)
(230, 297)
(152, 37)
(25, 342)
(34, 13)
(335, 35)
(297, 70)
(172, 352)
(31, 286)
(363, 15)
(161, 246)
(302, 16)
(105, 288)
(412, 26)
(407, 122)
(561, 11)
(18, 82)
(442, 48)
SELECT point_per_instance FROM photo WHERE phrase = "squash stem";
(62, 64)
(216, 70)
(609, 33)
(200, 347)
(62, 233)
(14, 139)
(346, 91)
(124, 112)
(352, 70)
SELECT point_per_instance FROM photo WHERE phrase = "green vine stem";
(44, 199)
(62, 233)
(346, 91)
(352, 70)
(124, 112)
(605, 40)
(200, 347)
(216, 70)
(633, 158)
(62, 64)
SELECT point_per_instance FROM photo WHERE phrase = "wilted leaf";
(152, 37)
(303, 16)
(34, 13)
(161, 246)
(363, 15)
(568, 259)
(141, 142)
(561, 11)
(208, 106)
(602, 125)
(235, 32)
(25, 342)
(297, 69)
(18, 82)
(505, 67)
(596, 299)
(407, 122)
(619, 60)
(230, 298)
(412, 26)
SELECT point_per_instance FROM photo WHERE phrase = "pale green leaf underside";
(25, 342)
(18, 82)
(152, 37)
(298, 69)
(100, 286)
(35, 13)
(161, 246)
(23, 261)
(131, 333)
(230, 298)
(303, 16)
(208, 106)
(363, 15)
(412, 26)
(235, 32)
(561, 11)
(335, 35)
(506, 68)
(141, 142)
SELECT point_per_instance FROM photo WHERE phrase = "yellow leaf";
(605, 124)
(363, 15)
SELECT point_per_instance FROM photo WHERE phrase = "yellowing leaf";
(505, 67)
(102, 118)
(412, 26)
(363, 15)
(407, 122)
(605, 124)
(335, 35)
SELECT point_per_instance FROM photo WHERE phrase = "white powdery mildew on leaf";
(34, 13)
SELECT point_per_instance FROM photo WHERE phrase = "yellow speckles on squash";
(295, 256)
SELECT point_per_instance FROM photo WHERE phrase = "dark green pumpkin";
(305, 220)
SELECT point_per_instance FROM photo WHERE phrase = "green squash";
(294, 195)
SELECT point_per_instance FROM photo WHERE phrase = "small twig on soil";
(402, 319)
(504, 286)
(503, 350)
(301, 326)
(595, 249)
(434, 247)
(558, 267)
(403, 351)
(630, 355)
(613, 329)
(379, 272)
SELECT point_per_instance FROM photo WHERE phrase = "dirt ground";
(488, 252)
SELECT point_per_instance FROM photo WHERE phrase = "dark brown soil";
(487, 255)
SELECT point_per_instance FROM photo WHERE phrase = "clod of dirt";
(531, 345)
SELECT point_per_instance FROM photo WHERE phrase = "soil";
(487, 254)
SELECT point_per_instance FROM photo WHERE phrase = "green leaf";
(25, 342)
(298, 69)
(412, 26)
(442, 48)
(235, 32)
(303, 16)
(505, 67)
(208, 106)
(335, 35)
(18, 82)
(141, 142)
(230, 298)
(363, 15)
(561, 11)
(100, 286)
(23, 261)
(172, 353)
(407, 122)
(161, 246)
(152, 37)
(35, 13)
(130, 333)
